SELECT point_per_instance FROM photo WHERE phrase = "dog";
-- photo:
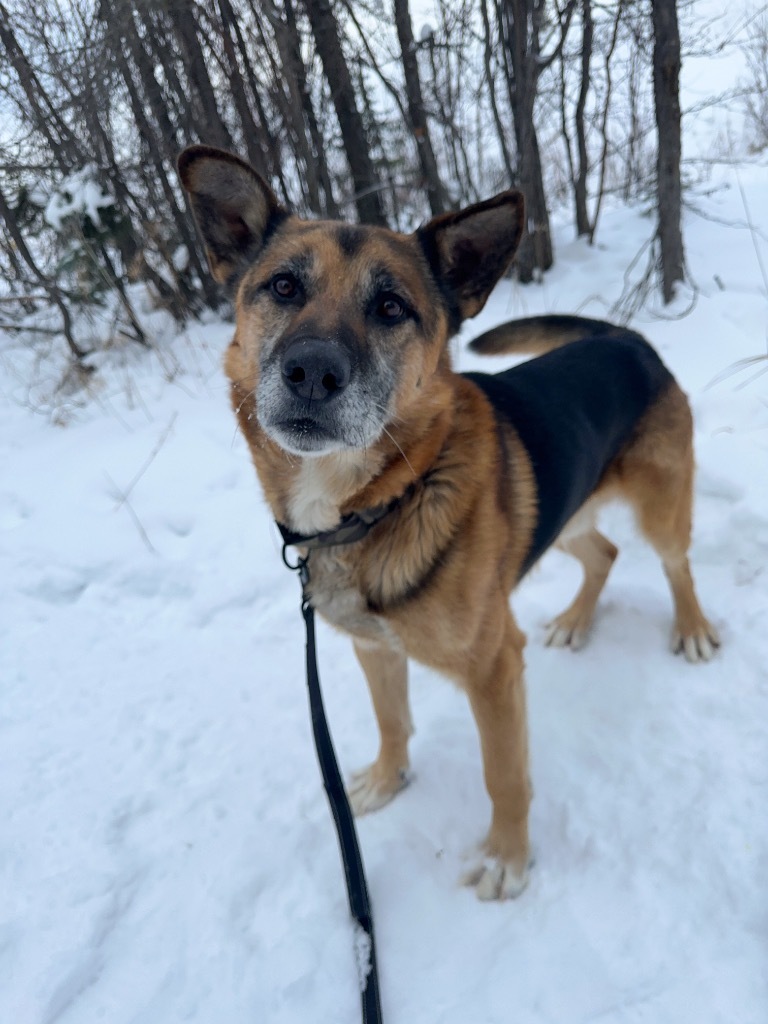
(342, 384)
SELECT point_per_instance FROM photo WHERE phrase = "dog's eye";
(390, 308)
(285, 286)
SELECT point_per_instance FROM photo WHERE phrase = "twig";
(31, 330)
(737, 367)
(752, 231)
(132, 512)
(148, 462)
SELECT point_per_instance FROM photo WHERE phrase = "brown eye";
(285, 286)
(390, 309)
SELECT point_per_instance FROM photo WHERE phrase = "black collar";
(352, 527)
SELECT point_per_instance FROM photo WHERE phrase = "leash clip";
(301, 565)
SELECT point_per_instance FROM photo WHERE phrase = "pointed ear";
(235, 209)
(470, 250)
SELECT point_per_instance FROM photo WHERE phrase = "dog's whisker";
(407, 462)
(245, 381)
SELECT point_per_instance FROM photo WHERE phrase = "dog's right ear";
(235, 209)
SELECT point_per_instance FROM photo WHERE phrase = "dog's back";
(574, 409)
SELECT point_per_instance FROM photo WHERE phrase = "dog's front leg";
(497, 696)
(386, 670)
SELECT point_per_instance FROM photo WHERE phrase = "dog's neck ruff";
(352, 528)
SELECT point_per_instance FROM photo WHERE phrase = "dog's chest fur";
(318, 489)
(337, 596)
(321, 485)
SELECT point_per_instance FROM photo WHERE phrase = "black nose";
(315, 369)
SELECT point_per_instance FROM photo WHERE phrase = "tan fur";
(654, 476)
(431, 581)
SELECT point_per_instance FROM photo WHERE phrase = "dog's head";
(341, 326)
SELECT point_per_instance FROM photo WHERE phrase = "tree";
(438, 200)
(325, 30)
(596, 40)
(522, 22)
(666, 78)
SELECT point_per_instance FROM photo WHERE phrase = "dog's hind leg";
(386, 671)
(665, 519)
(596, 554)
(657, 478)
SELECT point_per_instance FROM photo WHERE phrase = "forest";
(360, 109)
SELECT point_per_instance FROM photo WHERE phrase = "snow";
(78, 193)
(362, 944)
(180, 258)
(167, 851)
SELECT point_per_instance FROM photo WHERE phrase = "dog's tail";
(536, 335)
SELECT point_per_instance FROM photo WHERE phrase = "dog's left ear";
(470, 250)
(234, 208)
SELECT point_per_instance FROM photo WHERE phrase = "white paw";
(558, 635)
(697, 646)
(368, 791)
(496, 880)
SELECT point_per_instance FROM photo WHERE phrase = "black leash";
(352, 528)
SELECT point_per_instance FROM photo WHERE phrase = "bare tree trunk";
(155, 142)
(212, 128)
(490, 78)
(366, 184)
(294, 100)
(666, 77)
(580, 181)
(522, 23)
(251, 131)
(438, 200)
(630, 162)
(154, 44)
(272, 154)
(607, 60)
(318, 143)
(127, 29)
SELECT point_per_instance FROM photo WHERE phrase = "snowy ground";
(167, 854)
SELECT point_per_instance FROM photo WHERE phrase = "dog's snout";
(315, 369)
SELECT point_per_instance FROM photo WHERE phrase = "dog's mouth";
(305, 435)
(351, 418)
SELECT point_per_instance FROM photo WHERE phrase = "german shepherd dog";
(342, 384)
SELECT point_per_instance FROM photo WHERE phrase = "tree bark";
(212, 128)
(521, 24)
(490, 78)
(666, 79)
(289, 95)
(325, 30)
(583, 226)
(156, 142)
(318, 143)
(252, 134)
(438, 200)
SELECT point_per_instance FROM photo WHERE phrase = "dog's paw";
(698, 643)
(562, 632)
(494, 879)
(372, 788)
